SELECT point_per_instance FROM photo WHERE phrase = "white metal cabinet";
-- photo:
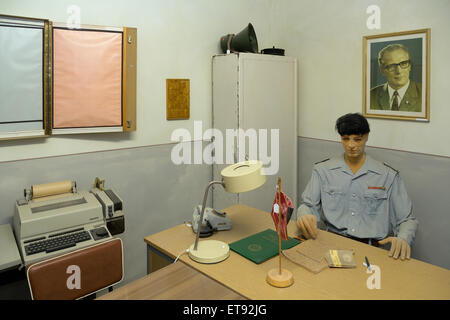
(253, 92)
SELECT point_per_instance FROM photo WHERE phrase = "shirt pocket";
(376, 201)
(332, 197)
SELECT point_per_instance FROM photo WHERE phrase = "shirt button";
(353, 230)
(354, 195)
(353, 213)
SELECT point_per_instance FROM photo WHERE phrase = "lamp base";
(209, 251)
(283, 280)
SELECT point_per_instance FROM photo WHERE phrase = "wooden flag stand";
(279, 277)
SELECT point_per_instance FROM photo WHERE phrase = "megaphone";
(244, 41)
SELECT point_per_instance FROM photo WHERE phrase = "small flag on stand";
(283, 202)
(281, 214)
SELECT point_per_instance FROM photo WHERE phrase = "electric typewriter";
(63, 221)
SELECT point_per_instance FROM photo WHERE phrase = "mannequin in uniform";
(357, 196)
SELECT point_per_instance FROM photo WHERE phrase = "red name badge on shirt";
(378, 188)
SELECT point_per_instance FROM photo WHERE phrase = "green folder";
(261, 246)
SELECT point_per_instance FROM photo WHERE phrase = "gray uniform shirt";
(372, 203)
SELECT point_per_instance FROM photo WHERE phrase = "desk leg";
(156, 259)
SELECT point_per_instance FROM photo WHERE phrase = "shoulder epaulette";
(390, 167)
(322, 161)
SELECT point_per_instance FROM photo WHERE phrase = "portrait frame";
(407, 70)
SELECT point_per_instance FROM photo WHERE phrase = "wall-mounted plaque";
(177, 99)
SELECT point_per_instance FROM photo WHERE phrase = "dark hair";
(352, 123)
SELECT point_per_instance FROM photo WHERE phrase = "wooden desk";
(173, 282)
(410, 279)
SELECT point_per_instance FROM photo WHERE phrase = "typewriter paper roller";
(50, 189)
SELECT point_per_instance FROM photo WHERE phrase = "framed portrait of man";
(396, 75)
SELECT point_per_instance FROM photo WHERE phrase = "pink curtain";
(87, 78)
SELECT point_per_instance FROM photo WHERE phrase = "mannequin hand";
(308, 226)
(399, 247)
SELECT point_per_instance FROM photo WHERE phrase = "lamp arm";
(205, 197)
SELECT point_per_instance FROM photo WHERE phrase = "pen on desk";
(367, 263)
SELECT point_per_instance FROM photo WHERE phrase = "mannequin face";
(354, 145)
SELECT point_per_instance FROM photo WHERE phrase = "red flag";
(286, 207)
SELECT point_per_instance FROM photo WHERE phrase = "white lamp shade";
(243, 176)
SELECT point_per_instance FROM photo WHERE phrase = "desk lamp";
(236, 178)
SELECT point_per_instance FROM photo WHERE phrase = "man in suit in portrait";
(399, 93)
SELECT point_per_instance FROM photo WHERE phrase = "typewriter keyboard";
(57, 242)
